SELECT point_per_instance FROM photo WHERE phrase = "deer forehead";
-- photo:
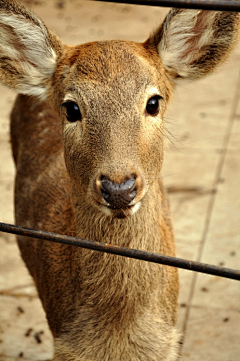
(117, 71)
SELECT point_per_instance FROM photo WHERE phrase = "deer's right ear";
(191, 43)
(28, 51)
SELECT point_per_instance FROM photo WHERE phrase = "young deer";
(87, 136)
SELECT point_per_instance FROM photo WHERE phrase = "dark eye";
(73, 113)
(153, 105)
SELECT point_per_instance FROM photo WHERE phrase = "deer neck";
(109, 280)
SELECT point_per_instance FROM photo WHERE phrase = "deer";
(87, 135)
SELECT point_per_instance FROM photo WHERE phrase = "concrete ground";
(202, 172)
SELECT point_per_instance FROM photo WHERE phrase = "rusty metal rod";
(125, 252)
(215, 5)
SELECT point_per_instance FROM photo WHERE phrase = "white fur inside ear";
(184, 35)
(26, 48)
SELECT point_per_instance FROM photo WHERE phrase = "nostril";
(129, 188)
(106, 188)
(118, 195)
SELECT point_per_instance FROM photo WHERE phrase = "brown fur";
(98, 306)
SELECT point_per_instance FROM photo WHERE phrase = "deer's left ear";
(191, 43)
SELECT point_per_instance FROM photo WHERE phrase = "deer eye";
(152, 107)
(73, 113)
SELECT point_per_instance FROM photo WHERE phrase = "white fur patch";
(69, 98)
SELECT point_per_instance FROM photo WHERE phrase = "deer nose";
(118, 195)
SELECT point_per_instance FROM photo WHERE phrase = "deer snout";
(118, 195)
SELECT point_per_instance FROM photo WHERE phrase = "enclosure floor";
(201, 171)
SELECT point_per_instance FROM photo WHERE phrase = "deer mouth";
(115, 212)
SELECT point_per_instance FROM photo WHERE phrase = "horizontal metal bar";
(215, 5)
(125, 252)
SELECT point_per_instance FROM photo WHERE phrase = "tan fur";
(100, 306)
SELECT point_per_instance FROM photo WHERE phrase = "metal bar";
(121, 251)
(215, 5)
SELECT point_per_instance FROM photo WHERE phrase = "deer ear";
(191, 43)
(28, 51)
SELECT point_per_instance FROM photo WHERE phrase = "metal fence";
(122, 251)
(227, 5)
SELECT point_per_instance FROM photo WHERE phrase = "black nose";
(118, 195)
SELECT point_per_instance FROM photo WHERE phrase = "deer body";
(88, 138)
(101, 294)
